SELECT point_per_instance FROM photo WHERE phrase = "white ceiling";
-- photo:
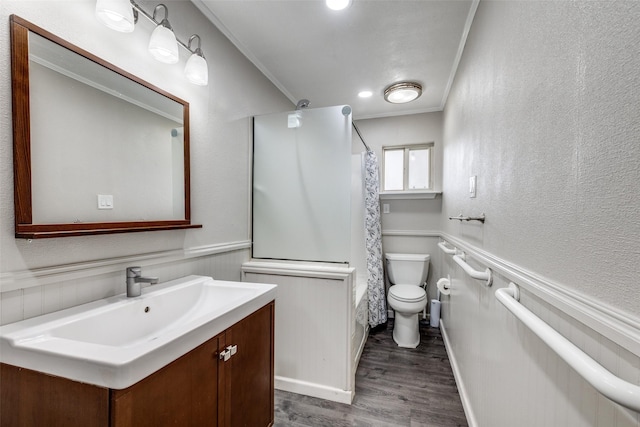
(309, 51)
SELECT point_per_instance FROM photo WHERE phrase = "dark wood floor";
(394, 387)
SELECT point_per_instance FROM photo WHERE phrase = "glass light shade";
(338, 4)
(163, 45)
(197, 70)
(401, 93)
(116, 14)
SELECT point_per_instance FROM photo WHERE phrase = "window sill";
(409, 195)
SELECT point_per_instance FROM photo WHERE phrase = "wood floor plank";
(394, 387)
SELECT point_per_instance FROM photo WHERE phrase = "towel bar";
(461, 218)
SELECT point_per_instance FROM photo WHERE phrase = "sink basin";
(117, 341)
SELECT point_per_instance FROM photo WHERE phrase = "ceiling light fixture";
(365, 94)
(402, 92)
(122, 15)
(338, 4)
(196, 70)
(163, 44)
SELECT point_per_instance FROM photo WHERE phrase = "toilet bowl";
(407, 272)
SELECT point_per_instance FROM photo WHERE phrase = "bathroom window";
(407, 167)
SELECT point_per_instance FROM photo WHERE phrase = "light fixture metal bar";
(137, 7)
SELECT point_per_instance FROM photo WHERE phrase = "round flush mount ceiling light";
(400, 93)
(338, 4)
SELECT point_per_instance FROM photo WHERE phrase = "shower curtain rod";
(361, 139)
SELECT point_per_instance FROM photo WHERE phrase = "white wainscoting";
(506, 375)
(316, 347)
(35, 292)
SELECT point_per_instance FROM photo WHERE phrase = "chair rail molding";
(411, 233)
(11, 281)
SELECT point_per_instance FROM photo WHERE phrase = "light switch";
(472, 186)
(385, 208)
(105, 201)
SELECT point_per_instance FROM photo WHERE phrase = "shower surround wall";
(545, 111)
(52, 274)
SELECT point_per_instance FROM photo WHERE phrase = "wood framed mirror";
(96, 149)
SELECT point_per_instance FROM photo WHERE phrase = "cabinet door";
(249, 373)
(30, 398)
(183, 393)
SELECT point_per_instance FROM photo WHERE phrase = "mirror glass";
(95, 132)
(106, 151)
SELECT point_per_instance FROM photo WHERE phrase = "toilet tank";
(407, 269)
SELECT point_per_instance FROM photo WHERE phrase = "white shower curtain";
(375, 276)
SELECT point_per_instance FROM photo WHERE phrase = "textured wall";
(220, 128)
(545, 110)
(220, 145)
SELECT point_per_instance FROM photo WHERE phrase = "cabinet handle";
(228, 352)
(225, 355)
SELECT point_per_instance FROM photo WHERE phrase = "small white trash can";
(435, 313)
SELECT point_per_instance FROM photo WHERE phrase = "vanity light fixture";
(116, 14)
(163, 44)
(196, 70)
(122, 15)
(338, 4)
(402, 92)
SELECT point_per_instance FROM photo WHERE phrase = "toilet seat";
(407, 293)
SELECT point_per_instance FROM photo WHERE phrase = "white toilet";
(407, 272)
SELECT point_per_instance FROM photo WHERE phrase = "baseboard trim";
(462, 390)
(314, 390)
(23, 279)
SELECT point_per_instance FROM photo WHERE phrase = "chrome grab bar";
(445, 249)
(480, 275)
(614, 388)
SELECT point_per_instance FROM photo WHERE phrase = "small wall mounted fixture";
(402, 92)
(122, 15)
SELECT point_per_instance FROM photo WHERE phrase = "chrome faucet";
(134, 278)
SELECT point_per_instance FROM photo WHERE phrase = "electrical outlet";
(385, 208)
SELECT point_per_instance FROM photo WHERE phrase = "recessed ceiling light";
(338, 4)
(365, 94)
(400, 93)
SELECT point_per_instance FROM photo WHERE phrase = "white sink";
(117, 341)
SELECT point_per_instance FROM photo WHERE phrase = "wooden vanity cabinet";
(248, 376)
(198, 389)
(183, 393)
